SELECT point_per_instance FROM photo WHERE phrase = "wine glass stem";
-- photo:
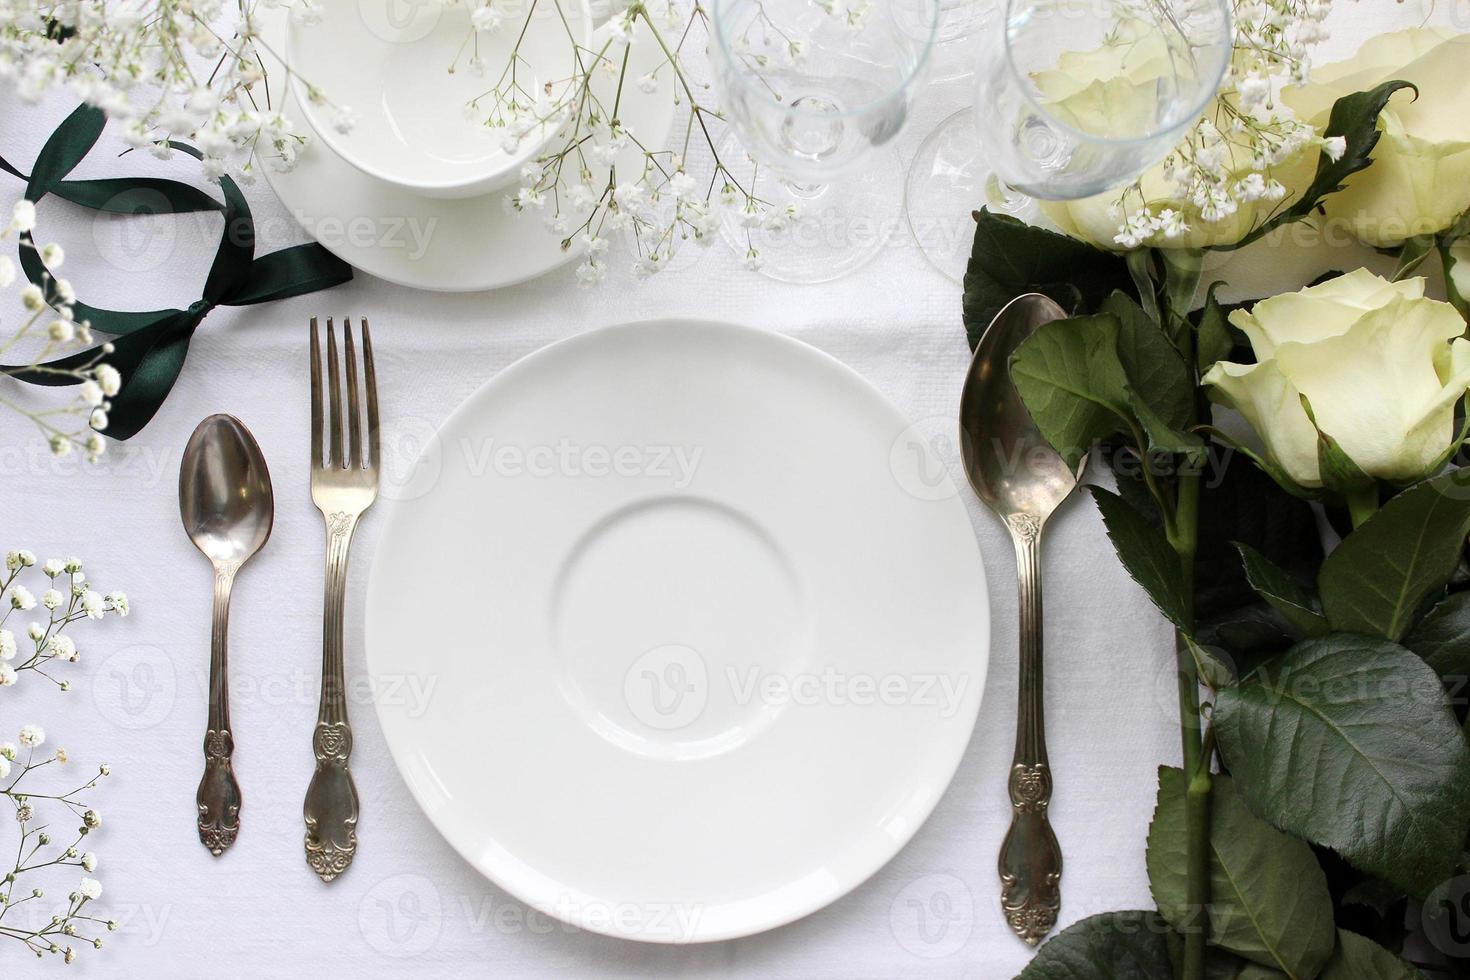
(1003, 198)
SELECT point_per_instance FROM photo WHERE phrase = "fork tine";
(334, 402)
(354, 424)
(372, 395)
(316, 398)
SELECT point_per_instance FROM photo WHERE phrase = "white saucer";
(702, 656)
(447, 245)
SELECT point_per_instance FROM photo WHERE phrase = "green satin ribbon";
(149, 347)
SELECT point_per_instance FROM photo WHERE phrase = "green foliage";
(1273, 584)
(1268, 898)
(1377, 579)
(1348, 742)
(1010, 257)
(1130, 945)
(1147, 555)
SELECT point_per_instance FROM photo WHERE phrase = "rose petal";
(1273, 407)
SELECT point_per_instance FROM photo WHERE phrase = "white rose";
(1420, 178)
(1380, 365)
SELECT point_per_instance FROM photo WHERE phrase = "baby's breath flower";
(23, 216)
(63, 647)
(109, 378)
(32, 736)
(92, 603)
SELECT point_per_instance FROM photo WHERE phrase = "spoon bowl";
(1012, 467)
(225, 495)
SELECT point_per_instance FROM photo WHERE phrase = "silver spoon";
(226, 502)
(1020, 477)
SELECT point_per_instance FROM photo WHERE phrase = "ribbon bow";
(149, 347)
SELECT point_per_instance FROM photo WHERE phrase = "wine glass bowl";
(1080, 96)
(814, 94)
(811, 89)
(1072, 98)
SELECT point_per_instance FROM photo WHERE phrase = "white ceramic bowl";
(390, 62)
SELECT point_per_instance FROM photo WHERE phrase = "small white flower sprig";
(38, 851)
(660, 205)
(67, 599)
(1230, 157)
(47, 330)
(166, 70)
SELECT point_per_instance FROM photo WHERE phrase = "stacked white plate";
(415, 192)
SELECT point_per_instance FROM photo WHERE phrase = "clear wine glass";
(815, 94)
(1072, 98)
(954, 52)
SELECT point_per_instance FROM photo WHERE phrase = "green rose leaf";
(1146, 553)
(1154, 369)
(1412, 254)
(1379, 576)
(1358, 958)
(1273, 584)
(1183, 268)
(1442, 638)
(1072, 381)
(1130, 945)
(1348, 741)
(1355, 118)
(1214, 341)
(1163, 437)
(1160, 388)
(1268, 896)
(1010, 257)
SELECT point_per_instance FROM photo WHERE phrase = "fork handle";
(1030, 857)
(331, 806)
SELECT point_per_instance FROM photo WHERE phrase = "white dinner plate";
(703, 651)
(442, 244)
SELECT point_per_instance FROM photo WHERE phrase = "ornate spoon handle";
(1030, 858)
(331, 798)
(218, 797)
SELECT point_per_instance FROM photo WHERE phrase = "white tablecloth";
(409, 906)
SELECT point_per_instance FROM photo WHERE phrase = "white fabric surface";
(409, 906)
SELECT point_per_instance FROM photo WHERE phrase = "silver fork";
(344, 483)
